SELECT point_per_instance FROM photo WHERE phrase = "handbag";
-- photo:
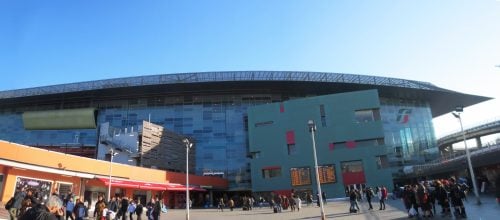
(9, 204)
(412, 211)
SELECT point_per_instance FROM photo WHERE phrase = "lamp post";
(457, 112)
(188, 146)
(112, 153)
(312, 129)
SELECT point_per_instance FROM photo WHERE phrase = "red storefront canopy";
(147, 185)
(133, 184)
(180, 187)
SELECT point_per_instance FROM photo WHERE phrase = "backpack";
(384, 193)
(10, 203)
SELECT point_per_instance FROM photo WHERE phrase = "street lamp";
(112, 153)
(312, 129)
(188, 146)
(457, 112)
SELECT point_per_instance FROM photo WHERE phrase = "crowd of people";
(420, 199)
(124, 208)
(26, 205)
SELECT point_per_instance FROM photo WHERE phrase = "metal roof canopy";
(441, 100)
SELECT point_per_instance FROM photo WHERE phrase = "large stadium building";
(212, 108)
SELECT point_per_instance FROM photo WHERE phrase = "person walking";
(497, 188)
(99, 208)
(456, 196)
(298, 202)
(220, 205)
(131, 209)
(70, 205)
(17, 203)
(139, 209)
(369, 196)
(79, 210)
(382, 196)
(318, 197)
(52, 208)
(323, 196)
(231, 204)
(353, 197)
(156, 208)
(309, 199)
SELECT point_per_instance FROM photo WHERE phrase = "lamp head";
(459, 109)
(187, 142)
(113, 152)
(311, 125)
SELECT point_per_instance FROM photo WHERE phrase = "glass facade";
(218, 129)
(219, 125)
(409, 133)
(12, 129)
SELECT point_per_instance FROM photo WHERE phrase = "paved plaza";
(333, 210)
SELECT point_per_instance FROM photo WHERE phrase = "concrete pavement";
(335, 210)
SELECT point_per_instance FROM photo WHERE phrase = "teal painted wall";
(269, 140)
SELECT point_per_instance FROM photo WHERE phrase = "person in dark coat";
(79, 210)
(456, 196)
(138, 210)
(49, 211)
(156, 209)
(17, 204)
(369, 196)
(124, 208)
(497, 186)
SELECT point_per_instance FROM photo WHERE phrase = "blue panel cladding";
(12, 129)
(218, 129)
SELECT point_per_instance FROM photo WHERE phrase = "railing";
(492, 122)
(456, 157)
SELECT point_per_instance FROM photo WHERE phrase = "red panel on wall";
(271, 168)
(350, 144)
(282, 107)
(290, 137)
(331, 146)
(353, 178)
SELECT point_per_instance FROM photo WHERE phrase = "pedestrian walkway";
(333, 210)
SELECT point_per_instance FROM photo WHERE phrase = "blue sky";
(451, 43)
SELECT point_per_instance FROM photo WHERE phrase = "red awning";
(148, 186)
(134, 184)
(176, 187)
(180, 187)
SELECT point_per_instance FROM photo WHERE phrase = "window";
(271, 172)
(290, 143)
(292, 150)
(367, 115)
(322, 114)
(382, 161)
(327, 174)
(352, 166)
(265, 123)
(255, 155)
(300, 176)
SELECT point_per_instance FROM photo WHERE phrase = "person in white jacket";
(298, 202)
